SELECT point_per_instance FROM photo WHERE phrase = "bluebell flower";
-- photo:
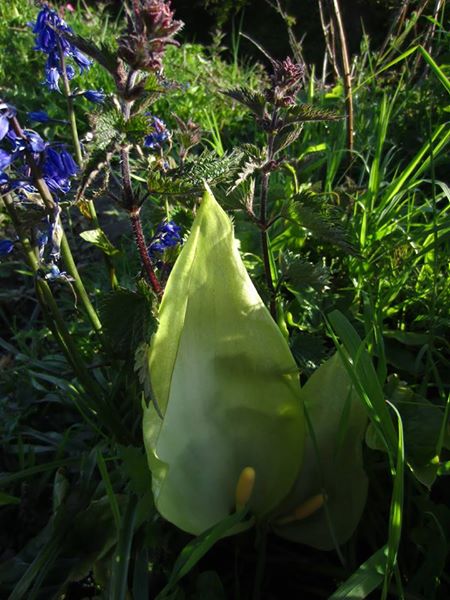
(167, 236)
(39, 116)
(48, 40)
(6, 159)
(23, 184)
(81, 59)
(54, 273)
(95, 96)
(4, 179)
(6, 113)
(4, 126)
(35, 143)
(158, 134)
(58, 168)
(52, 78)
(6, 246)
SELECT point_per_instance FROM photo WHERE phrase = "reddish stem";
(142, 247)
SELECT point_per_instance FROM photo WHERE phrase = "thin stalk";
(79, 157)
(57, 325)
(70, 109)
(130, 202)
(143, 252)
(48, 304)
(347, 75)
(66, 252)
(263, 224)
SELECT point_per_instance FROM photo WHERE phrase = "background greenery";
(370, 237)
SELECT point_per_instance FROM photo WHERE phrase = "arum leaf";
(332, 461)
(225, 382)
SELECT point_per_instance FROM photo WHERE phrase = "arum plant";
(229, 425)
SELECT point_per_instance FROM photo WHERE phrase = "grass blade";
(365, 579)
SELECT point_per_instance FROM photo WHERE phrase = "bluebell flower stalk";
(51, 206)
(57, 325)
(48, 39)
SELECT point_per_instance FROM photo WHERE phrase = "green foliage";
(367, 233)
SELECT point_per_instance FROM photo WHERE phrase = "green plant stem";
(48, 304)
(263, 222)
(347, 77)
(66, 252)
(79, 157)
(70, 109)
(130, 203)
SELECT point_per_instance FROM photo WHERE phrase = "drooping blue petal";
(6, 159)
(39, 116)
(35, 142)
(81, 59)
(6, 246)
(95, 96)
(4, 126)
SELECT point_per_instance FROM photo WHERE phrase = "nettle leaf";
(286, 137)
(226, 383)
(94, 168)
(323, 220)
(299, 274)
(302, 113)
(253, 100)
(245, 172)
(170, 183)
(127, 319)
(102, 54)
(207, 167)
(98, 238)
(238, 198)
(107, 126)
(135, 128)
(333, 464)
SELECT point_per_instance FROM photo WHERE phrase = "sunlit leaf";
(332, 464)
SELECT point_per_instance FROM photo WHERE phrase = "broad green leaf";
(332, 464)
(226, 383)
(98, 238)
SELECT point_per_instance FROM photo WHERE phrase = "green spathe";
(225, 382)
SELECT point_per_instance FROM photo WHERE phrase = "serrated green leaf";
(333, 463)
(323, 220)
(300, 274)
(127, 320)
(226, 383)
(253, 100)
(302, 113)
(286, 137)
(98, 238)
